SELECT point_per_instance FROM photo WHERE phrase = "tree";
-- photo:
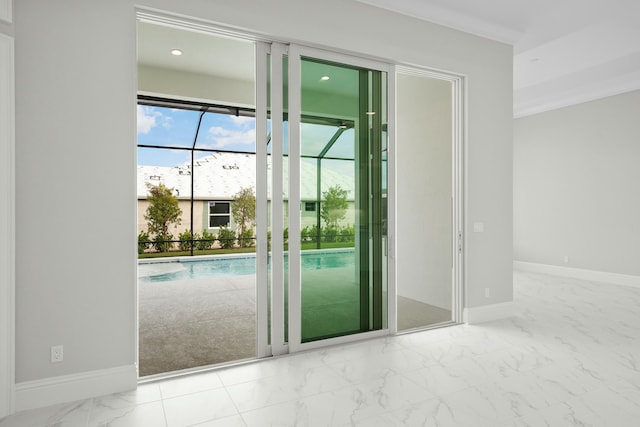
(334, 206)
(243, 209)
(163, 210)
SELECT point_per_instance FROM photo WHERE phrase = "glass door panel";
(342, 187)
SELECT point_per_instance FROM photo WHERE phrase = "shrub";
(285, 235)
(163, 242)
(246, 239)
(329, 233)
(309, 234)
(186, 240)
(143, 241)
(347, 234)
(205, 241)
(227, 238)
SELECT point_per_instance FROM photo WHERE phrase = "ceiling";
(232, 58)
(565, 51)
(202, 53)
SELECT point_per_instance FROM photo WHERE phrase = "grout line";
(90, 411)
(164, 412)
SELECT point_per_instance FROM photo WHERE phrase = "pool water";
(237, 266)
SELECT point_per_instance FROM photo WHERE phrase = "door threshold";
(197, 370)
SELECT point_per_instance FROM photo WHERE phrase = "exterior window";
(219, 214)
(310, 206)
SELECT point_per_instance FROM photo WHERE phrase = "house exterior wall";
(201, 217)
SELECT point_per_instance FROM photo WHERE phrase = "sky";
(162, 126)
(174, 127)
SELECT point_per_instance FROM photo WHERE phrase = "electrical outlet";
(57, 353)
(487, 292)
(566, 259)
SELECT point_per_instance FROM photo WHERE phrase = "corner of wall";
(488, 313)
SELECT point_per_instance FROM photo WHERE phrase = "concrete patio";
(190, 323)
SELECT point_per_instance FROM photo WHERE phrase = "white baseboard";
(578, 273)
(69, 388)
(488, 313)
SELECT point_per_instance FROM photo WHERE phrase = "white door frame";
(458, 165)
(262, 249)
(278, 346)
(278, 53)
(7, 226)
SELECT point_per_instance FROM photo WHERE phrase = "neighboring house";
(217, 177)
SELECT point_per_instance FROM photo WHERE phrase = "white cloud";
(243, 121)
(166, 122)
(222, 137)
(148, 118)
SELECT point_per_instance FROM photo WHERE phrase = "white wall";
(424, 154)
(576, 186)
(75, 142)
(75, 198)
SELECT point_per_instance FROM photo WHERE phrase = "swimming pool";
(219, 266)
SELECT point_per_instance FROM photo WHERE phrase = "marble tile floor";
(569, 357)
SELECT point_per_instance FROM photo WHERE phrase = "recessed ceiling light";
(176, 52)
(325, 78)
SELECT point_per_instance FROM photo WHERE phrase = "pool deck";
(190, 323)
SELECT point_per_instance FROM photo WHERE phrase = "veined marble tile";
(442, 380)
(491, 404)
(390, 363)
(65, 415)
(382, 420)
(341, 406)
(599, 363)
(188, 384)
(147, 414)
(346, 405)
(145, 393)
(199, 407)
(602, 407)
(233, 421)
(509, 361)
(277, 366)
(273, 390)
(437, 413)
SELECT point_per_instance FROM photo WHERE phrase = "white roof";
(219, 176)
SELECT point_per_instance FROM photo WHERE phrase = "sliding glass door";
(321, 168)
(327, 151)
